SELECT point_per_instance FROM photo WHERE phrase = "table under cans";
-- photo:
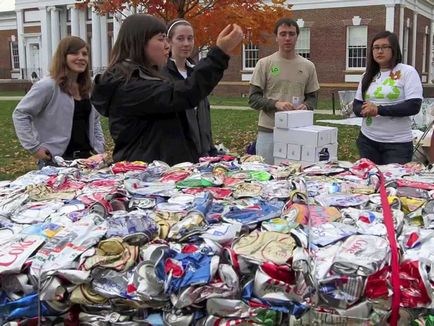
(226, 241)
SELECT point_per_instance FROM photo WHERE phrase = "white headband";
(177, 22)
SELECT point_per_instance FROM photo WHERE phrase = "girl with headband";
(197, 122)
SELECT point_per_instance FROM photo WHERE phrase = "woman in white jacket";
(56, 117)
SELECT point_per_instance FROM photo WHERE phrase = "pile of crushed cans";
(226, 241)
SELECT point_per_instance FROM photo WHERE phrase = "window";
(303, 43)
(68, 14)
(250, 56)
(15, 58)
(357, 40)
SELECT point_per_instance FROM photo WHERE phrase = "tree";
(208, 17)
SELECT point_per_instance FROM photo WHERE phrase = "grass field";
(234, 128)
(323, 104)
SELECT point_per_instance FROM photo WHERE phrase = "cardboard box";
(293, 119)
(315, 154)
(293, 152)
(279, 150)
(333, 132)
(308, 136)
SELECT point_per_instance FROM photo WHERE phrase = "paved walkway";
(10, 98)
(218, 107)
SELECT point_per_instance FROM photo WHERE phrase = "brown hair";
(133, 37)
(59, 69)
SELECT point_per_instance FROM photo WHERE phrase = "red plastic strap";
(394, 262)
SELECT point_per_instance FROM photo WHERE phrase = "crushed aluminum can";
(361, 255)
(340, 291)
(260, 247)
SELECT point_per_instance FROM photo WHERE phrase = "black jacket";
(197, 122)
(144, 113)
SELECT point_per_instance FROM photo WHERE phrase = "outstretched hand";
(229, 38)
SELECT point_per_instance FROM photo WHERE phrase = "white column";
(55, 28)
(20, 40)
(104, 41)
(75, 21)
(63, 19)
(46, 39)
(96, 42)
(430, 55)
(390, 17)
(82, 21)
(117, 19)
(401, 26)
(413, 48)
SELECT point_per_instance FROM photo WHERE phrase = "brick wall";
(5, 53)
(328, 33)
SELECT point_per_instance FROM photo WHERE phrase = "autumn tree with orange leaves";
(208, 17)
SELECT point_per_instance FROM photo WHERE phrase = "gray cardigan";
(43, 118)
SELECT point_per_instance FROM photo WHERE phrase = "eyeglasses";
(382, 48)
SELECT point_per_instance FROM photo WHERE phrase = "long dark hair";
(129, 49)
(373, 67)
(59, 68)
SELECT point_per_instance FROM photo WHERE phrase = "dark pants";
(384, 153)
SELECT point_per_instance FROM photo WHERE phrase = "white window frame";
(405, 42)
(364, 46)
(15, 57)
(247, 52)
(303, 43)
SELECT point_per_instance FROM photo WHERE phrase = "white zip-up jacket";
(44, 117)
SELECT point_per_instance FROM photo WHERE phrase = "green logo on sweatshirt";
(275, 71)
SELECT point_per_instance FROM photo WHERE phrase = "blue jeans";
(384, 153)
(264, 146)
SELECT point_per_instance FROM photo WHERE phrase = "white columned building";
(390, 17)
(96, 42)
(75, 21)
(20, 40)
(55, 28)
(46, 39)
(104, 41)
(117, 20)
(430, 53)
(82, 21)
(413, 47)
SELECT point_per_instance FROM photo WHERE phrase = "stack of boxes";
(296, 138)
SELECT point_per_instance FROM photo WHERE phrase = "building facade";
(334, 34)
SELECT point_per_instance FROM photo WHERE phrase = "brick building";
(335, 35)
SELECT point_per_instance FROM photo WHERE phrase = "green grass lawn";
(12, 93)
(234, 128)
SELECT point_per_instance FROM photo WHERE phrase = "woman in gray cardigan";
(56, 117)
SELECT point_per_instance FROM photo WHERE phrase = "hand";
(369, 109)
(284, 106)
(42, 154)
(229, 38)
(302, 106)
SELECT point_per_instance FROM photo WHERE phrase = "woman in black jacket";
(143, 108)
(197, 122)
